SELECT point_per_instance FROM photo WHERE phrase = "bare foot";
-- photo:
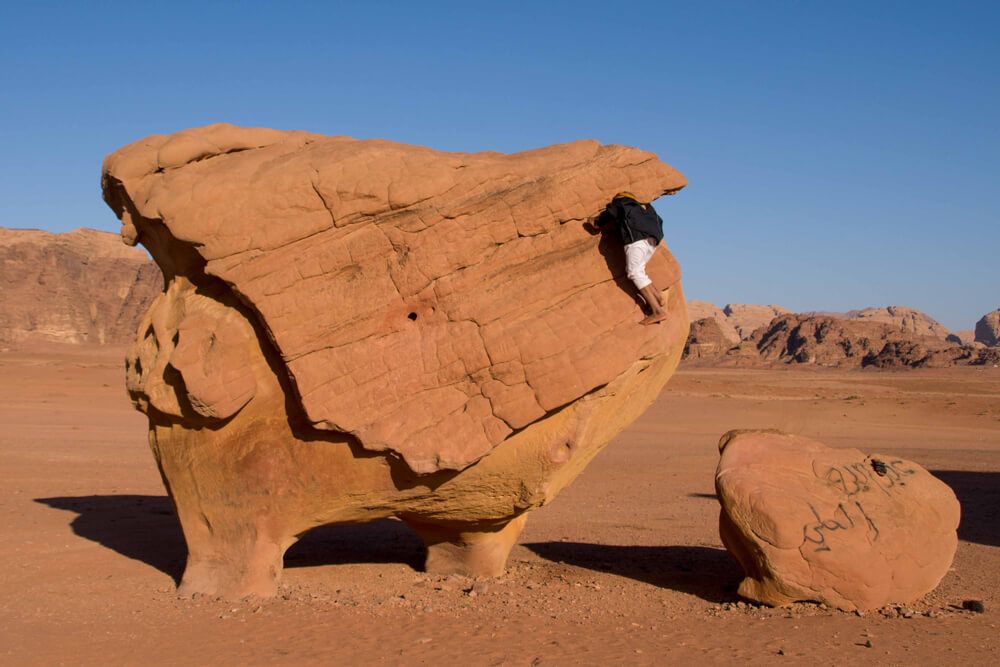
(655, 318)
(661, 299)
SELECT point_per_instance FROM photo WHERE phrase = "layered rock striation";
(358, 329)
(77, 287)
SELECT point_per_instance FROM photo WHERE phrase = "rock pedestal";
(353, 330)
(837, 526)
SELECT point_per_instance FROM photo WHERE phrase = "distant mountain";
(83, 286)
(893, 336)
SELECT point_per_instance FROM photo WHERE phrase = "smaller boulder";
(988, 329)
(835, 526)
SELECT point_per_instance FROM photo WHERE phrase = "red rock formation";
(830, 341)
(748, 318)
(359, 329)
(836, 526)
(988, 329)
(698, 310)
(706, 340)
(83, 286)
(907, 320)
(965, 337)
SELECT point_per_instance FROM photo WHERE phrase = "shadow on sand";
(708, 573)
(145, 528)
(979, 494)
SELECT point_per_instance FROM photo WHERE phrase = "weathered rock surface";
(360, 329)
(82, 286)
(748, 318)
(836, 526)
(907, 320)
(988, 329)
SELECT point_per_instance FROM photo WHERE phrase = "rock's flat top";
(82, 286)
(429, 303)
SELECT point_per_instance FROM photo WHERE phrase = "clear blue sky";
(840, 154)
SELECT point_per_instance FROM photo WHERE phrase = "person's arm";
(605, 221)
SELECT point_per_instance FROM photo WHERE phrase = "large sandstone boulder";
(907, 320)
(748, 318)
(77, 287)
(988, 329)
(360, 329)
(837, 526)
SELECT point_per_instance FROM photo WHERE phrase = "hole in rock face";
(413, 316)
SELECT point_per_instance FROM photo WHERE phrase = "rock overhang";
(428, 303)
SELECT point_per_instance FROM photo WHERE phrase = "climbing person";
(641, 230)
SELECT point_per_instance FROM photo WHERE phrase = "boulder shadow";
(145, 528)
(705, 572)
(979, 495)
(142, 528)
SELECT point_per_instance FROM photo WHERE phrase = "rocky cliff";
(890, 337)
(82, 286)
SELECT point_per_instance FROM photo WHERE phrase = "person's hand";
(591, 228)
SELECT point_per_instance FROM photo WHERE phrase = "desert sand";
(625, 565)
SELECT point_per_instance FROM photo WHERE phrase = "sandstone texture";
(907, 320)
(82, 286)
(988, 329)
(360, 329)
(835, 526)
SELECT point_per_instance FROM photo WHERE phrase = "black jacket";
(634, 221)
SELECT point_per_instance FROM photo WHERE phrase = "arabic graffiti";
(853, 481)
(863, 476)
(845, 517)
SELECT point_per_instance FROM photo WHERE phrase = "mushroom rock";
(808, 522)
(356, 329)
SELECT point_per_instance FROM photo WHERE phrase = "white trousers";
(637, 255)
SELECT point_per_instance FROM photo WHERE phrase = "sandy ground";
(625, 566)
